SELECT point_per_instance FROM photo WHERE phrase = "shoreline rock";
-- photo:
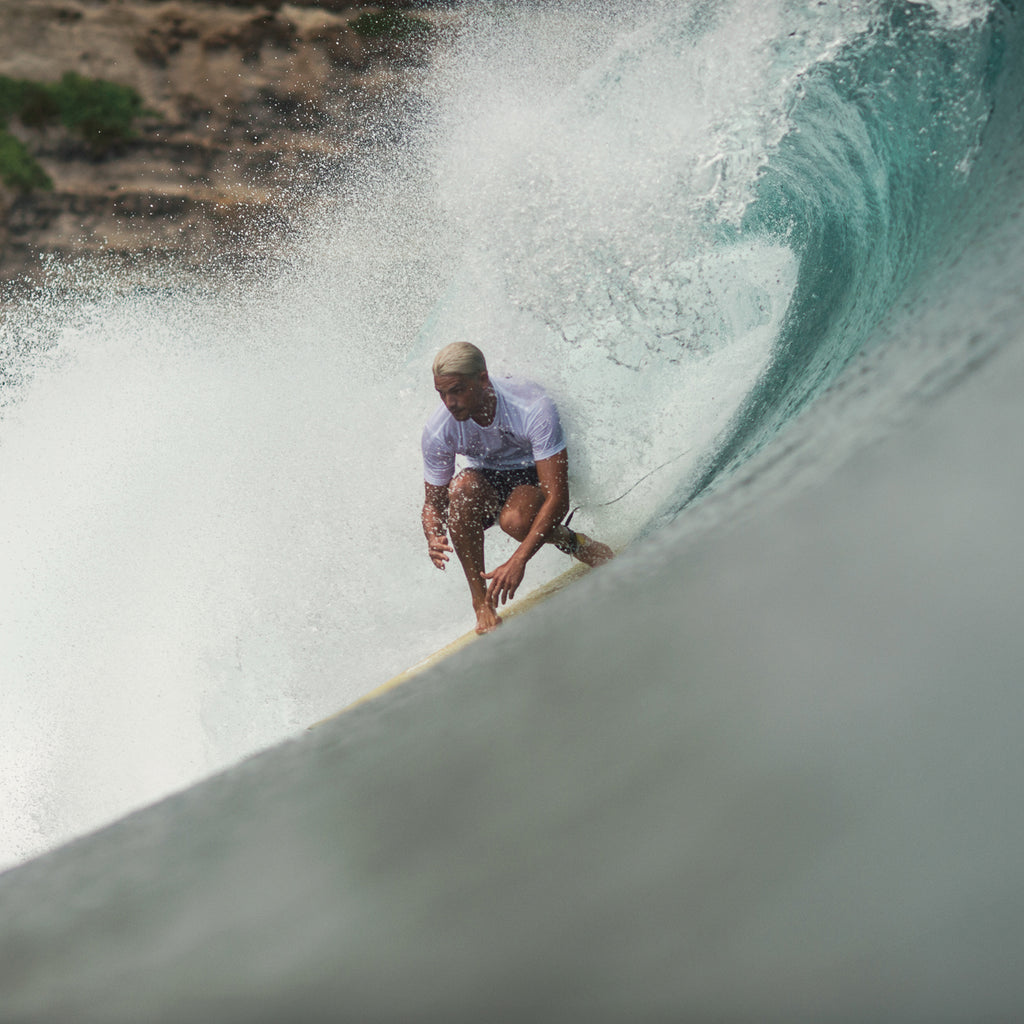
(257, 103)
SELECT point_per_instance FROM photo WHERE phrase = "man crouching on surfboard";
(517, 476)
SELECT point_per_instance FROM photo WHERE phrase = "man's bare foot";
(487, 619)
(592, 552)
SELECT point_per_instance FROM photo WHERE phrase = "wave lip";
(874, 186)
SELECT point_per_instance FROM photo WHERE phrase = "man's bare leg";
(470, 500)
(519, 513)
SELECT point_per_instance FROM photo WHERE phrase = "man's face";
(463, 396)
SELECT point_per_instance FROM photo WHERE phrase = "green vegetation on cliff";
(18, 168)
(101, 113)
(390, 25)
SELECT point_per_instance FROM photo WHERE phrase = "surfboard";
(513, 608)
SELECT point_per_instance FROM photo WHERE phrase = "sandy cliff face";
(254, 102)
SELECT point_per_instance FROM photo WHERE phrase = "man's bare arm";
(435, 523)
(553, 474)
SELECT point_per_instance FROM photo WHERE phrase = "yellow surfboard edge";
(517, 607)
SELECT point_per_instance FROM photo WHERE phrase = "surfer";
(517, 476)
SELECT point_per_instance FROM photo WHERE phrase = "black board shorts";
(504, 482)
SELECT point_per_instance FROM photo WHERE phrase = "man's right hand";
(439, 549)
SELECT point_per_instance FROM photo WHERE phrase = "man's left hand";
(505, 581)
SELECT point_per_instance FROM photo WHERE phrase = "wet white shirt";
(525, 430)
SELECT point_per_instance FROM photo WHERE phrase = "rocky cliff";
(249, 105)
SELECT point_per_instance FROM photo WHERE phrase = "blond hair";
(460, 359)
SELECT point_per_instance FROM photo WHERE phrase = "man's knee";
(514, 523)
(467, 494)
(519, 512)
(467, 486)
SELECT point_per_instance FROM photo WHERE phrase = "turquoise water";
(888, 166)
(765, 765)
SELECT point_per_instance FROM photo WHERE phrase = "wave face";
(688, 219)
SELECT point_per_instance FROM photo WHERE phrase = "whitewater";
(767, 257)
